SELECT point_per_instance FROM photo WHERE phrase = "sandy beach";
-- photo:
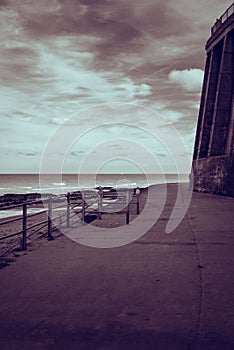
(162, 291)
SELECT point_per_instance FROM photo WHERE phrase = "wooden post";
(100, 198)
(68, 209)
(138, 199)
(24, 231)
(128, 207)
(83, 208)
(50, 237)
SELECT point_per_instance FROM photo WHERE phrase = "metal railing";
(29, 226)
(78, 205)
(223, 18)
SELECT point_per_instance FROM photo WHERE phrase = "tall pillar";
(229, 150)
(223, 99)
(216, 54)
(202, 108)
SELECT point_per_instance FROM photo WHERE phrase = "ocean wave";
(59, 184)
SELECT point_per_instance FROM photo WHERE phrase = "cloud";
(158, 154)
(188, 79)
(121, 36)
(3, 3)
(76, 153)
(27, 154)
(58, 57)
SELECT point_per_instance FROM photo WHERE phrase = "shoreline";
(11, 202)
(63, 183)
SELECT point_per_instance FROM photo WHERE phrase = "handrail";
(24, 216)
(77, 205)
(222, 18)
(10, 221)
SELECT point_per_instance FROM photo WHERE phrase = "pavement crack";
(200, 269)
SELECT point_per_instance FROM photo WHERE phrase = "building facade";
(213, 161)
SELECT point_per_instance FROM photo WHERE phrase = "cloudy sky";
(62, 57)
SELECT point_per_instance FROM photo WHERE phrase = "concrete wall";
(215, 175)
(214, 145)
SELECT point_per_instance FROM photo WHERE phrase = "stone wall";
(215, 175)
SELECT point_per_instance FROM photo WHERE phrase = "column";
(210, 99)
(201, 110)
(222, 108)
(229, 149)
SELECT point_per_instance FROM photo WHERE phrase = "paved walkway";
(160, 292)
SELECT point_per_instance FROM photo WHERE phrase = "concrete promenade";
(163, 291)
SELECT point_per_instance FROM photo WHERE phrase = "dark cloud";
(19, 64)
(24, 52)
(125, 20)
(3, 3)
(76, 153)
(69, 97)
(23, 115)
(186, 124)
(27, 154)
(134, 39)
(158, 154)
(118, 27)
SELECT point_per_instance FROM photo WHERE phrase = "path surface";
(163, 291)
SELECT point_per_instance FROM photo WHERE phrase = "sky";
(121, 78)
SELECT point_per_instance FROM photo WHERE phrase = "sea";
(63, 183)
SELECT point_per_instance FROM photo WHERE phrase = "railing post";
(128, 207)
(83, 208)
(68, 209)
(24, 231)
(50, 237)
(138, 199)
(100, 198)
